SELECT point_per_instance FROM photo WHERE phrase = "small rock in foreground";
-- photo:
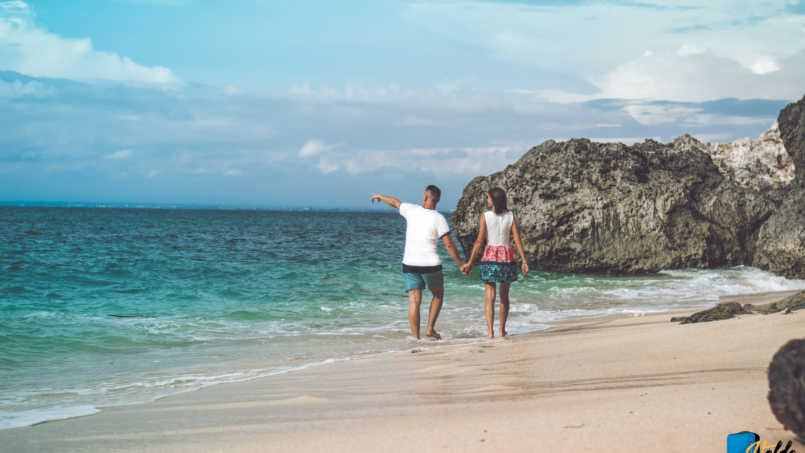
(795, 302)
(724, 310)
(787, 386)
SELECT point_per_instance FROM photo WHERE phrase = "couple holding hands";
(423, 269)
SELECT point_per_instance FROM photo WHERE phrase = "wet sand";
(627, 384)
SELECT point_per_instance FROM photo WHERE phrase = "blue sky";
(320, 103)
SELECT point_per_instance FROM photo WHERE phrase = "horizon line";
(197, 206)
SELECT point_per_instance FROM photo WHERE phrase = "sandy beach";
(634, 384)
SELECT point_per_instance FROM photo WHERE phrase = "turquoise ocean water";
(233, 295)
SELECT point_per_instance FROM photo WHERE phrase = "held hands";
(525, 268)
(466, 269)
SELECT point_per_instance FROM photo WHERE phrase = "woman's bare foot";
(491, 335)
(433, 334)
(503, 333)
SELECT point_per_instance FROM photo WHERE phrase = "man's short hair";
(435, 193)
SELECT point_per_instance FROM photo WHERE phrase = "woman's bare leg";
(504, 307)
(489, 308)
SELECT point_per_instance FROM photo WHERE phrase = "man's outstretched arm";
(453, 250)
(393, 202)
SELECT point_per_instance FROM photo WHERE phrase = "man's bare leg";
(435, 308)
(414, 299)
(489, 308)
(504, 307)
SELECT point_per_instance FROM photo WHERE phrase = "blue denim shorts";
(431, 280)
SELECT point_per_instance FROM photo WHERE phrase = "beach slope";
(627, 384)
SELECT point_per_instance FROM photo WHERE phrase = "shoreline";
(421, 345)
(301, 392)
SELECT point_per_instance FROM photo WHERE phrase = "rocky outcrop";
(721, 311)
(795, 302)
(587, 207)
(781, 240)
(787, 386)
(756, 164)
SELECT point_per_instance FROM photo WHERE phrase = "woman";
(498, 264)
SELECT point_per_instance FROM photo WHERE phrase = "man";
(421, 265)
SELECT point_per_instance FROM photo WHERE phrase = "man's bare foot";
(491, 335)
(433, 334)
(503, 333)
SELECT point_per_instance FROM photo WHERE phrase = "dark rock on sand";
(787, 386)
(678, 318)
(587, 207)
(721, 311)
(781, 239)
(795, 302)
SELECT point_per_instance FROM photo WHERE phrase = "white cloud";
(29, 49)
(440, 98)
(708, 53)
(314, 147)
(695, 77)
(234, 172)
(122, 154)
(325, 166)
(563, 97)
(474, 161)
(429, 152)
(653, 114)
(711, 137)
(153, 173)
(418, 121)
(15, 8)
(690, 49)
(764, 65)
(17, 89)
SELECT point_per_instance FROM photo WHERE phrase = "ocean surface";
(223, 296)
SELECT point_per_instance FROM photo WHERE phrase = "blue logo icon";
(746, 442)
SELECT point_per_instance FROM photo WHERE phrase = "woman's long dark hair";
(498, 196)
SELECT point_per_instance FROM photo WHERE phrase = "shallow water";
(231, 295)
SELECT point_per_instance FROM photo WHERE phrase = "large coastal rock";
(781, 240)
(587, 207)
(757, 164)
(787, 386)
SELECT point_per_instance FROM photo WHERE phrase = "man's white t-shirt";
(425, 228)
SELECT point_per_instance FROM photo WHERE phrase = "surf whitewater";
(101, 307)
